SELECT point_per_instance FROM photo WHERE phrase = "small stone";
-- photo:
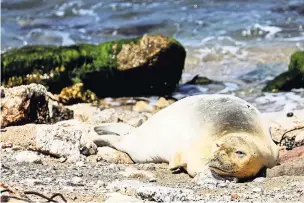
(235, 196)
(257, 190)
(101, 183)
(32, 182)
(289, 114)
(80, 163)
(207, 179)
(76, 180)
(5, 145)
(48, 179)
(222, 184)
(142, 106)
(148, 166)
(136, 122)
(134, 173)
(259, 179)
(28, 157)
(62, 159)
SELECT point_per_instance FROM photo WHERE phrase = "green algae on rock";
(149, 65)
(293, 78)
(76, 94)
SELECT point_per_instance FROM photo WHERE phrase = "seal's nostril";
(217, 145)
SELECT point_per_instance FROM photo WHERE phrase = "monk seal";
(222, 132)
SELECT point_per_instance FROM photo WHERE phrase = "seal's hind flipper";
(113, 129)
(107, 140)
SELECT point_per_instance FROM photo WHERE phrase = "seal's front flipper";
(176, 162)
(113, 129)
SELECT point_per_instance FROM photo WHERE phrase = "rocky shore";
(48, 157)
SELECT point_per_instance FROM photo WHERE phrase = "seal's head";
(236, 155)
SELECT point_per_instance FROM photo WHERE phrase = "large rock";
(293, 78)
(30, 104)
(24, 104)
(286, 130)
(291, 164)
(289, 156)
(68, 139)
(149, 65)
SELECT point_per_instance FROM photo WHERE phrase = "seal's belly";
(149, 150)
(160, 144)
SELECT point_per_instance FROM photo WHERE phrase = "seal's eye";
(240, 153)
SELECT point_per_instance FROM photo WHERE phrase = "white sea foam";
(86, 12)
(259, 30)
(281, 101)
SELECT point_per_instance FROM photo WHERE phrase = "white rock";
(257, 190)
(28, 156)
(80, 163)
(32, 182)
(64, 139)
(259, 179)
(76, 180)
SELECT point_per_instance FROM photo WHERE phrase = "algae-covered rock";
(150, 65)
(76, 94)
(293, 78)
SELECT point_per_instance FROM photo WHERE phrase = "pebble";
(62, 159)
(235, 196)
(289, 114)
(32, 182)
(134, 173)
(222, 184)
(257, 190)
(28, 157)
(76, 180)
(142, 106)
(259, 179)
(5, 145)
(80, 163)
(149, 166)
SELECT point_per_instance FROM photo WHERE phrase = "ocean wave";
(258, 30)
